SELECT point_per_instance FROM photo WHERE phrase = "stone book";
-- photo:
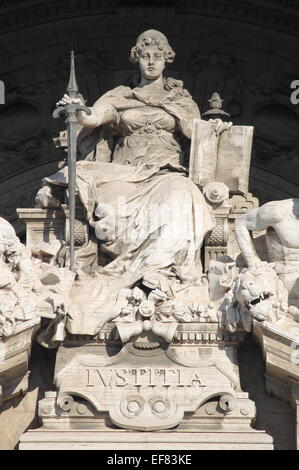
(224, 158)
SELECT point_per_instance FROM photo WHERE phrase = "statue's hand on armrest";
(220, 126)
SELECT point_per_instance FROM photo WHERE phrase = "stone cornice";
(280, 16)
(255, 13)
(26, 14)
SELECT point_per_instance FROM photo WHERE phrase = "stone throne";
(218, 164)
(148, 383)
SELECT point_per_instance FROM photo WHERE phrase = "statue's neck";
(152, 84)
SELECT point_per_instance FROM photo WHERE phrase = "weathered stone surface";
(117, 440)
(224, 157)
(148, 340)
(16, 416)
(280, 219)
(14, 358)
(187, 388)
(273, 415)
(44, 229)
(144, 387)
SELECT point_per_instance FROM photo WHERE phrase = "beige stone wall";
(16, 415)
(21, 413)
(274, 416)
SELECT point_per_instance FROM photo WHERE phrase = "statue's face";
(151, 63)
(14, 259)
(257, 293)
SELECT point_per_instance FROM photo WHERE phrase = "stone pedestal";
(82, 439)
(14, 358)
(279, 342)
(43, 226)
(148, 394)
(280, 345)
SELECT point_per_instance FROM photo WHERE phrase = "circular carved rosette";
(227, 403)
(160, 406)
(216, 192)
(65, 402)
(147, 309)
(132, 406)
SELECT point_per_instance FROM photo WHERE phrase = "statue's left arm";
(185, 110)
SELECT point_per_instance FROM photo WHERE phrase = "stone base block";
(14, 358)
(79, 439)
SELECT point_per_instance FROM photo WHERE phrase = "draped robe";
(149, 217)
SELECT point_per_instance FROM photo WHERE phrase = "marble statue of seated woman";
(132, 180)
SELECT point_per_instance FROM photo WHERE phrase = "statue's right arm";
(243, 226)
(102, 112)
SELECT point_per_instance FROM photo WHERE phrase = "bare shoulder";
(269, 214)
(275, 211)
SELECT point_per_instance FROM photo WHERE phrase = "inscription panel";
(141, 397)
(143, 377)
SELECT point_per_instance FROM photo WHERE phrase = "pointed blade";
(72, 88)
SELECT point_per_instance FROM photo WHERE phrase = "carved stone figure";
(29, 288)
(256, 293)
(280, 219)
(149, 218)
(146, 336)
(146, 340)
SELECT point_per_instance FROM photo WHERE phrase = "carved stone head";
(257, 293)
(152, 39)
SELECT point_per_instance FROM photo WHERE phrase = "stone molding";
(32, 13)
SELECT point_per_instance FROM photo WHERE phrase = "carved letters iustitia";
(142, 377)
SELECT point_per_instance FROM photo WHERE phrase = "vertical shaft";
(72, 90)
(72, 152)
(70, 109)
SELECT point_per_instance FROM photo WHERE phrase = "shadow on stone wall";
(274, 416)
(21, 413)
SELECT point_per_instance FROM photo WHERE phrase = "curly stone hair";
(149, 38)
